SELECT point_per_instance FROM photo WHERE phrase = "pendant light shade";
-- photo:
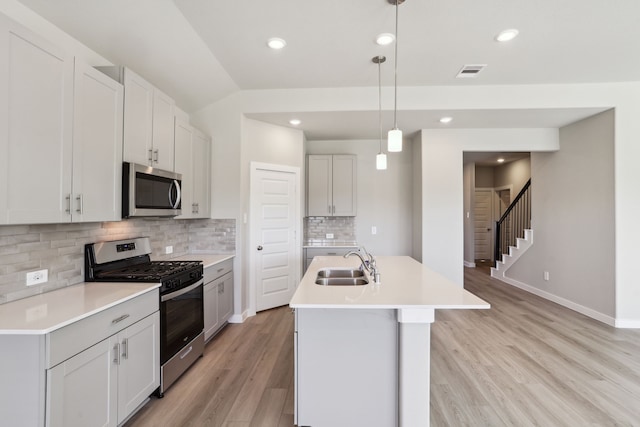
(394, 141)
(394, 137)
(381, 158)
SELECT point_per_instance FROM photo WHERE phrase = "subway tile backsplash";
(60, 247)
(343, 228)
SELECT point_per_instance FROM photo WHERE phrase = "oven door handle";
(181, 291)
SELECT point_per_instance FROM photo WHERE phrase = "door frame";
(492, 205)
(253, 233)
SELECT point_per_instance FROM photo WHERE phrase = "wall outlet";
(168, 250)
(329, 235)
(546, 276)
(37, 277)
(374, 230)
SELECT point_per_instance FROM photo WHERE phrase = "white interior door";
(483, 224)
(275, 222)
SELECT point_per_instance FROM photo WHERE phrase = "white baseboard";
(627, 323)
(469, 264)
(239, 318)
(562, 301)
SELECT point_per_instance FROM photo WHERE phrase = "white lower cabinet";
(218, 297)
(105, 383)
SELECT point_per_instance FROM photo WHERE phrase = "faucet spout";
(369, 264)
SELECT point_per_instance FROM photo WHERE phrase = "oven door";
(181, 319)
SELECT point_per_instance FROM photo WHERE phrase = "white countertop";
(44, 313)
(405, 284)
(207, 259)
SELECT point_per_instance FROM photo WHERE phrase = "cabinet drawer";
(66, 342)
(217, 270)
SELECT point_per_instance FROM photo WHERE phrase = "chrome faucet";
(369, 264)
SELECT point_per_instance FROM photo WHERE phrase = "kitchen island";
(362, 353)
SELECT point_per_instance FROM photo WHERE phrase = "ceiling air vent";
(470, 71)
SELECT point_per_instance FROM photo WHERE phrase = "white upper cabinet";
(192, 161)
(61, 127)
(97, 146)
(148, 123)
(201, 173)
(331, 185)
(36, 122)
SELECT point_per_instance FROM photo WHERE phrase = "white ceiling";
(200, 51)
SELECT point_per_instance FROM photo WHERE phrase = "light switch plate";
(329, 235)
(168, 250)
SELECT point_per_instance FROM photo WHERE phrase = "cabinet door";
(319, 185)
(211, 322)
(97, 146)
(184, 165)
(201, 168)
(82, 391)
(344, 185)
(138, 119)
(225, 298)
(139, 369)
(163, 123)
(36, 109)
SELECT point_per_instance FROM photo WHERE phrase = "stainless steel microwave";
(148, 191)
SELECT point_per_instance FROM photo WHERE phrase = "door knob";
(259, 248)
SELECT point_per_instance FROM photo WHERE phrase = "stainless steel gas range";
(181, 298)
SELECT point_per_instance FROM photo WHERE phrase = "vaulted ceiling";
(200, 51)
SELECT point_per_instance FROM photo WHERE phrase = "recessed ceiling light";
(506, 35)
(446, 119)
(295, 122)
(500, 160)
(385, 39)
(276, 43)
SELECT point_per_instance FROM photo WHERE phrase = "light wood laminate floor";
(524, 362)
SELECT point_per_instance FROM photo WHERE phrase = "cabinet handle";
(157, 155)
(220, 269)
(221, 288)
(329, 209)
(80, 200)
(150, 156)
(183, 355)
(68, 199)
(119, 319)
(334, 209)
(116, 354)
(125, 348)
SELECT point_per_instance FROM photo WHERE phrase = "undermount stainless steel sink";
(340, 272)
(341, 281)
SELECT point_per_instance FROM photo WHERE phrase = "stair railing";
(513, 222)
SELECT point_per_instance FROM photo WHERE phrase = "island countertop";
(405, 284)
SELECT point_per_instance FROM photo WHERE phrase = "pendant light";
(381, 158)
(394, 141)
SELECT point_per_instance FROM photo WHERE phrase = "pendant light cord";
(380, 103)
(395, 96)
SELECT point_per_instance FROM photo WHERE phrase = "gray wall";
(384, 197)
(573, 218)
(515, 174)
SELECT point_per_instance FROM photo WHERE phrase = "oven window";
(182, 320)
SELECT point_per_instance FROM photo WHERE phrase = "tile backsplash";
(343, 228)
(60, 247)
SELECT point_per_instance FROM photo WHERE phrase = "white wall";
(384, 196)
(574, 220)
(443, 189)
(417, 198)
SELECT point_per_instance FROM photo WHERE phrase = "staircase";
(516, 221)
(515, 252)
